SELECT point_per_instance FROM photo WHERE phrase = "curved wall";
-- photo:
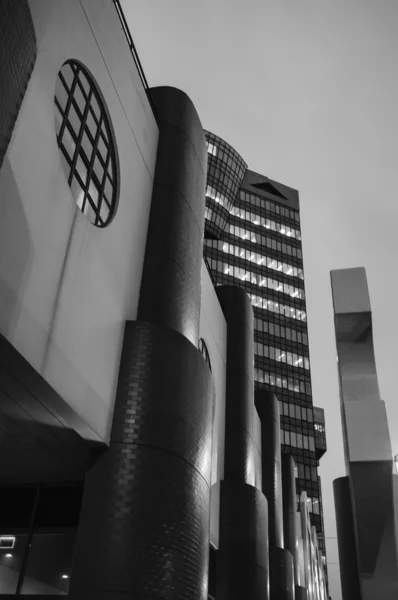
(170, 287)
(145, 522)
(268, 409)
(226, 169)
(239, 451)
(18, 49)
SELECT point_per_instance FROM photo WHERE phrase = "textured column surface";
(290, 511)
(366, 437)
(144, 525)
(281, 574)
(170, 287)
(242, 562)
(239, 455)
(268, 410)
(349, 575)
(18, 51)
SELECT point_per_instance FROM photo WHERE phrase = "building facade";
(253, 240)
(366, 499)
(135, 461)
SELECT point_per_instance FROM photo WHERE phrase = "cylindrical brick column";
(281, 574)
(290, 511)
(18, 49)
(268, 410)
(239, 456)
(144, 525)
(170, 287)
(242, 561)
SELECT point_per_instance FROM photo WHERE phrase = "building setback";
(137, 461)
(253, 240)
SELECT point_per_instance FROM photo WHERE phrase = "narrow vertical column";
(281, 560)
(290, 515)
(242, 562)
(144, 525)
(348, 555)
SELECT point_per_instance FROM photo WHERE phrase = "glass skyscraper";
(253, 239)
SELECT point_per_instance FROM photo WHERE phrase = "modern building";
(366, 499)
(253, 240)
(136, 458)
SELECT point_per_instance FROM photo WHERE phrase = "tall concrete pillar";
(242, 562)
(290, 512)
(144, 525)
(281, 561)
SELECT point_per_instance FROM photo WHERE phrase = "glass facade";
(259, 249)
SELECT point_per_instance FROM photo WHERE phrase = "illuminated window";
(86, 142)
(211, 148)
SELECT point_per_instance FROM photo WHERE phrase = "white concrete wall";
(67, 287)
(213, 330)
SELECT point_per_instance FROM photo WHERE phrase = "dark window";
(205, 352)
(86, 141)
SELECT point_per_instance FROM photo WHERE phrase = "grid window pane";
(84, 152)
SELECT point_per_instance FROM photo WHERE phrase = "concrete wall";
(213, 330)
(67, 287)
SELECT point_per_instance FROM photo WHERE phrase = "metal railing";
(134, 53)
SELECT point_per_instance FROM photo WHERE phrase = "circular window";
(205, 353)
(86, 142)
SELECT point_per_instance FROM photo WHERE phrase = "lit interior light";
(298, 361)
(242, 253)
(281, 356)
(8, 555)
(7, 541)
(64, 576)
(283, 230)
(280, 288)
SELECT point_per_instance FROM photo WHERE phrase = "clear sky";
(307, 92)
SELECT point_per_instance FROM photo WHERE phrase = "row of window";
(212, 193)
(276, 307)
(267, 223)
(279, 331)
(225, 152)
(298, 440)
(268, 282)
(258, 301)
(283, 356)
(270, 206)
(258, 259)
(288, 383)
(265, 241)
(294, 411)
(306, 472)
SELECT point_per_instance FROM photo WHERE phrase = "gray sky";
(307, 92)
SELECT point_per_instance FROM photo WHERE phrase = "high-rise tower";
(253, 239)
